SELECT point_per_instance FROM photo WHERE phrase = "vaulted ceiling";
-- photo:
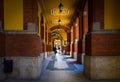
(52, 14)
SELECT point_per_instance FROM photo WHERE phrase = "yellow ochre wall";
(13, 14)
(112, 14)
(63, 34)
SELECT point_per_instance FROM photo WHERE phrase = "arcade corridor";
(84, 34)
(62, 70)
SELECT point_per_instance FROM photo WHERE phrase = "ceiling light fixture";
(60, 6)
(59, 22)
(56, 12)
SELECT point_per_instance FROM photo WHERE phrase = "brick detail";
(68, 37)
(42, 27)
(85, 19)
(43, 47)
(49, 48)
(99, 12)
(30, 12)
(46, 34)
(75, 47)
(2, 45)
(77, 28)
(103, 44)
(23, 45)
(88, 44)
(96, 12)
(71, 34)
(2, 12)
(67, 49)
(49, 38)
(71, 47)
(83, 46)
(80, 46)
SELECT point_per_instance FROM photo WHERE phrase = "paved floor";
(59, 69)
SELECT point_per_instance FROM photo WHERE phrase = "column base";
(82, 58)
(70, 54)
(45, 55)
(79, 59)
(24, 68)
(102, 67)
(2, 75)
(75, 55)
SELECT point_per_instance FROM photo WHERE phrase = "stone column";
(102, 46)
(71, 44)
(71, 49)
(68, 42)
(75, 48)
(76, 37)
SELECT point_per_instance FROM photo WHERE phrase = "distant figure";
(54, 49)
(58, 48)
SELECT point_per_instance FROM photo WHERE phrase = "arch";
(61, 27)
(56, 35)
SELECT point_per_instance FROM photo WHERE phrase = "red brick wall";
(23, 45)
(83, 46)
(77, 28)
(30, 12)
(67, 48)
(49, 37)
(42, 28)
(85, 19)
(80, 46)
(43, 47)
(46, 34)
(96, 12)
(64, 48)
(49, 48)
(88, 44)
(75, 47)
(2, 13)
(103, 44)
(2, 41)
(71, 47)
(68, 37)
(99, 12)
(2, 45)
